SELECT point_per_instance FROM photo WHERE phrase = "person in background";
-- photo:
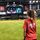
(14, 4)
(29, 26)
(7, 4)
(25, 9)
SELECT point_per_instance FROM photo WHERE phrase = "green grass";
(13, 29)
(38, 29)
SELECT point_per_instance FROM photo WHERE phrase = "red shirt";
(30, 29)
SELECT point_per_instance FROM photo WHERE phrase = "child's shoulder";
(25, 20)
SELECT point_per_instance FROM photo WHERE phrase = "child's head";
(31, 14)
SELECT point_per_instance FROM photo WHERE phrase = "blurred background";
(17, 9)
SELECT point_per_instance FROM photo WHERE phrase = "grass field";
(13, 29)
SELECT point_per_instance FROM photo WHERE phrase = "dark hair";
(31, 14)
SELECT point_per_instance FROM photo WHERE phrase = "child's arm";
(24, 27)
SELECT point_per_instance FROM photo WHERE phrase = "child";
(30, 26)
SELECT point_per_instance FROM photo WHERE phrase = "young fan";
(30, 26)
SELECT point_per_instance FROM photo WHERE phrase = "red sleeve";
(25, 25)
